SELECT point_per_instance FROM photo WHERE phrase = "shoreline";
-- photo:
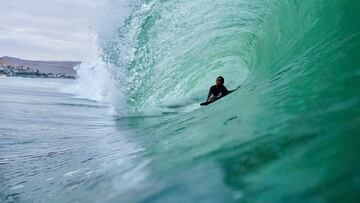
(15, 67)
(37, 77)
(13, 72)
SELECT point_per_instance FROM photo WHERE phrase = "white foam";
(92, 80)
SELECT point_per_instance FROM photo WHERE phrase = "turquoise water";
(289, 134)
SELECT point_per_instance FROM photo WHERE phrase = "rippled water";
(289, 134)
(55, 147)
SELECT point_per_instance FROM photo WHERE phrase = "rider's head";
(219, 81)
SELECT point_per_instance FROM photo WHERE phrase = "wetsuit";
(217, 92)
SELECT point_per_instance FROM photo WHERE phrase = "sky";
(49, 29)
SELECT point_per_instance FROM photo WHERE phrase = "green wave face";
(289, 134)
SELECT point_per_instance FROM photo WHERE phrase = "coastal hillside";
(55, 67)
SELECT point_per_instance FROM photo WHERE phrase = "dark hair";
(221, 78)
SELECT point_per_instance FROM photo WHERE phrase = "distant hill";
(64, 67)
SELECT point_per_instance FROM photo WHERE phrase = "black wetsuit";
(217, 92)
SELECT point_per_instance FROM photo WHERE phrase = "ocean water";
(130, 129)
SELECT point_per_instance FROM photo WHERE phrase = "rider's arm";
(209, 94)
(228, 92)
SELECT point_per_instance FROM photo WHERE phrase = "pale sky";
(49, 29)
